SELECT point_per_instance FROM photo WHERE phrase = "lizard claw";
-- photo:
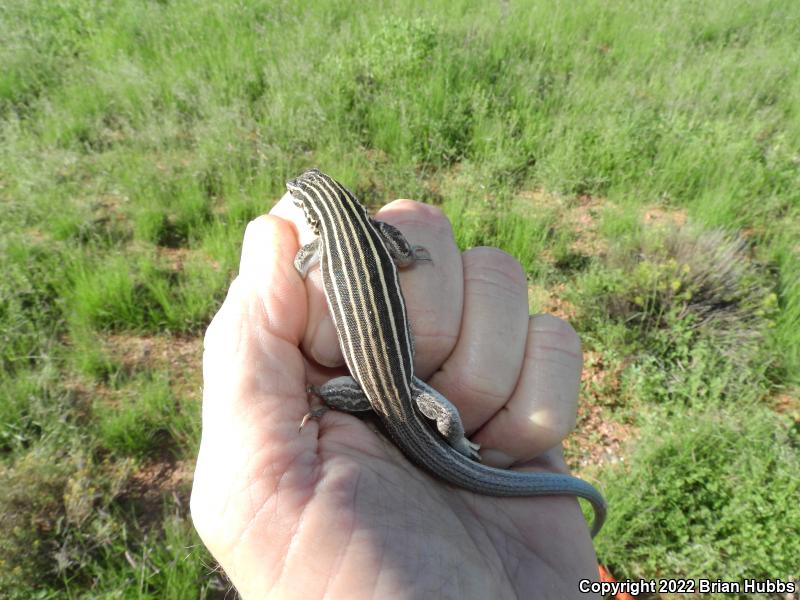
(312, 414)
(421, 253)
(315, 413)
(468, 449)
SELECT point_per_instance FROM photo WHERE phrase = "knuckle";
(568, 338)
(417, 215)
(496, 267)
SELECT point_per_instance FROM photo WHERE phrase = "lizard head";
(302, 189)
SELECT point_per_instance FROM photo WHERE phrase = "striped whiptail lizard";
(359, 258)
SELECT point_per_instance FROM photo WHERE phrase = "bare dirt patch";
(181, 357)
(583, 217)
(537, 198)
(578, 215)
(35, 236)
(788, 403)
(657, 216)
(148, 487)
(163, 476)
(551, 300)
(173, 258)
(110, 215)
(598, 439)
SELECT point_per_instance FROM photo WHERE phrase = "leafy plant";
(706, 492)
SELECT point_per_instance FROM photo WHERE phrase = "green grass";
(140, 137)
(702, 494)
(142, 419)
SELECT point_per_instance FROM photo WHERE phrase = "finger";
(482, 371)
(286, 210)
(433, 291)
(541, 411)
(264, 311)
(320, 341)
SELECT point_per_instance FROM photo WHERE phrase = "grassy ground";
(641, 159)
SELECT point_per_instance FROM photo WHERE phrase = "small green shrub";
(54, 515)
(696, 313)
(702, 278)
(706, 492)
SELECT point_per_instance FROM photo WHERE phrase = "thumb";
(254, 392)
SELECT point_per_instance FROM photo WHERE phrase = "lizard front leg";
(403, 253)
(307, 257)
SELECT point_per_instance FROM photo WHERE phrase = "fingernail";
(496, 458)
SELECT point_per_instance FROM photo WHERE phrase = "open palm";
(334, 510)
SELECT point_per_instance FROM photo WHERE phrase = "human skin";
(333, 509)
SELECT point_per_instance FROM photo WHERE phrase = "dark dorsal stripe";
(367, 306)
(363, 291)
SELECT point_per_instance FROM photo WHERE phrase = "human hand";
(334, 509)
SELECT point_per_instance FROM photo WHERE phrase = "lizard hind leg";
(340, 393)
(344, 393)
(448, 421)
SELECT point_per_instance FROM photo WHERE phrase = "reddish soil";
(659, 216)
(552, 301)
(180, 357)
(598, 438)
(583, 219)
(788, 403)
